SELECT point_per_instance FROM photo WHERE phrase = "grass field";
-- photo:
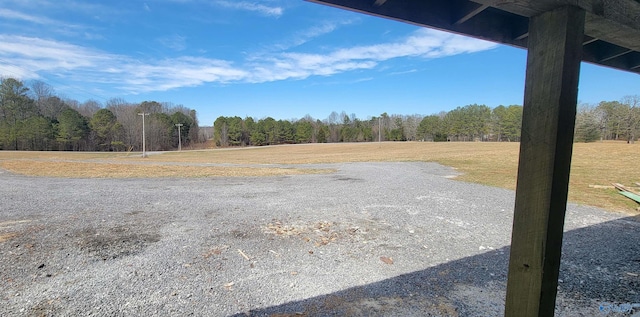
(492, 164)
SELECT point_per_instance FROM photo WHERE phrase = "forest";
(466, 123)
(34, 118)
(608, 120)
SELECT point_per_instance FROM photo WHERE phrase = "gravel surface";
(373, 239)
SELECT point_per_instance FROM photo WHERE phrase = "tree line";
(609, 120)
(468, 123)
(34, 118)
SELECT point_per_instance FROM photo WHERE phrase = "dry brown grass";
(44, 155)
(110, 170)
(492, 164)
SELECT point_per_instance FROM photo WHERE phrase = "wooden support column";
(551, 89)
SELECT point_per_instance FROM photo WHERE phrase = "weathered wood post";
(551, 89)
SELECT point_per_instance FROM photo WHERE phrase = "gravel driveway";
(373, 239)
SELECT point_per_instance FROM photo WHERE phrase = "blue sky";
(279, 58)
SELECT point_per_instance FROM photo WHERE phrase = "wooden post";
(551, 89)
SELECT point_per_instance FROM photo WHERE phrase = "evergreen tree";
(72, 129)
(106, 129)
(304, 131)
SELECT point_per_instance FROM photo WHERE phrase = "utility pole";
(179, 125)
(379, 131)
(144, 150)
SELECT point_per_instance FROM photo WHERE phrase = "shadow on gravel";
(600, 264)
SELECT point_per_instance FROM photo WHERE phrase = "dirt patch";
(240, 234)
(214, 251)
(7, 236)
(320, 233)
(115, 242)
(49, 307)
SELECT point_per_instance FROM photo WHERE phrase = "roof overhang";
(612, 27)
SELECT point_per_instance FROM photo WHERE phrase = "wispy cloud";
(304, 36)
(32, 56)
(44, 55)
(174, 42)
(404, 72)
(184, 72)
(424, 43)
(35, 23)
(252, 6)
(362, 80)
(15, 15)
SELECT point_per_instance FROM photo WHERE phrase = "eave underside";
(612, 27)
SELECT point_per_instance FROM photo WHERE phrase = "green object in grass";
(631, 196)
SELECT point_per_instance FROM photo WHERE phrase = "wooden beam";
(523, 36)
(551, 90)
(471, 12)
(604, 51)
(616, 55)
(624, 12)
(633, 60)
(614, 21)
(589, 40)
(607, 54)
(487, 24)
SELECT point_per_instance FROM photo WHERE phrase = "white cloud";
(252, 6)
(33, 57)
(43, 55)
(9, 70)
(181, 72)
(424, 43)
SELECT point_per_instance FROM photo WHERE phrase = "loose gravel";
(372, 239)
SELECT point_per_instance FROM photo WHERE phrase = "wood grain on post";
(551, 89)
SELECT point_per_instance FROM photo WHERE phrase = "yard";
(493, 164)
(306, 230)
